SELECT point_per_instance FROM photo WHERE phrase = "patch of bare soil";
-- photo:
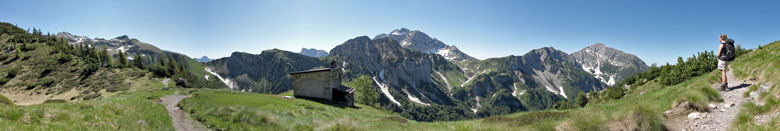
(181, 120)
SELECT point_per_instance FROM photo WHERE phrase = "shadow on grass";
(328, 102)
(743, 85)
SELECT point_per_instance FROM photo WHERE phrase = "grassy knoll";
(137, 110)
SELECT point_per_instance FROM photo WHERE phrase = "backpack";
(728, 53)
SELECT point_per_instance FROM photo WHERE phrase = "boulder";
(696, 115)
(181, 82)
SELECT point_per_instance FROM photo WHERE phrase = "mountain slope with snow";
(608, 64)
(419, 41)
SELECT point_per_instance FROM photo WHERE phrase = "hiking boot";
(724, 87)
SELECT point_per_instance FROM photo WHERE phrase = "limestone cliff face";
(407, 75)
(313, 52)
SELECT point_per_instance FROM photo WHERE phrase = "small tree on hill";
(18, 52)
(122, 59)
(581, 100)
(138, 61)
(366, 92)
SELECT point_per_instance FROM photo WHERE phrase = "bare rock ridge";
(608, 64)
(313, 52)
(419, 41)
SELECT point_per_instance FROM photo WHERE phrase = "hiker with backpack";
(726, 54)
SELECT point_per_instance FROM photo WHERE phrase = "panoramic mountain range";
(410, 67)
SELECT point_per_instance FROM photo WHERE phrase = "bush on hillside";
(63, 58)
(615, 92)
(581, 100)
(696, 65)
(5, 101)
(13, 71)
(642, 118)
(4, 80)
(366, 92)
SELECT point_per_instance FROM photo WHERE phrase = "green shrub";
(366, 92)
(643, 118)
(63, 58)
(588, 121)
(695, 98)
(13, 71)
(11, 114)
(5, 101)
(711, 94)
(3, 56)
(615, 92)
(4, 80)
(54, 101)
(581, 100)
(742, 118)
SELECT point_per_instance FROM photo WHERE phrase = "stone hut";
(322, 83)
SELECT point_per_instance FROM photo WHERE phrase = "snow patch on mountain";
(472, 77)
(560, 88)
(449, 88)
(447, 53)
(385, 91)
(414, 99)
(514, 92)
(474, 109)
(227, 82)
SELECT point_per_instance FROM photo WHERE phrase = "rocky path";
(721, 115)
(181, 120)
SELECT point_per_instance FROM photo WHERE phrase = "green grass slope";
(761, 65)
(137, 110)
(232, 110)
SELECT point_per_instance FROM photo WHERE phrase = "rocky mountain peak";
(314, 52)
(609, 64)
(203, 59)
(402, 31)
(123, 37)
(598, 45)
(419, 41)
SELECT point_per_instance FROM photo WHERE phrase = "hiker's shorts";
(722, 65)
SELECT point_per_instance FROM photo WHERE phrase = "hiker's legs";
(723, 79)
(723, 66)
(725, 69)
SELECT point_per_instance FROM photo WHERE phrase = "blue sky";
(656, 31)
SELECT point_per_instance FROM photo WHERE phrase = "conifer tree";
(122, 59)
(173, 67)
(138, 61)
